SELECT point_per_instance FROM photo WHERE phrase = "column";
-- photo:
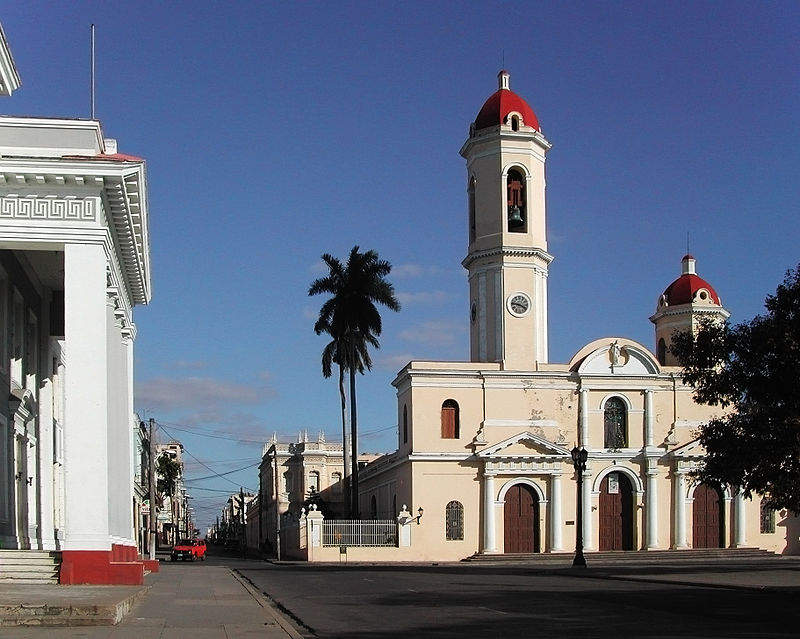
(651, 503)
(648, 418)
(584, 417)
(679, 516)
(86, 403)
(489, 541)
(740, 529)
(588, 535)
(556, 543)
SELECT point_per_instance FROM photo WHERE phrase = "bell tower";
(507, 256)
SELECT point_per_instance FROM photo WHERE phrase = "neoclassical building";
(484, 445)
(74, 262)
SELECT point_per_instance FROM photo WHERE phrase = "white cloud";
(424, 297)
(197, 394)
(408, 270)
(395, 362)
(184, 364)
(439, 333)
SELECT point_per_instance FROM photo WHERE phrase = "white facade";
(74, 261)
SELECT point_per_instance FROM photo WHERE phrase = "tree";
(337, 351)
(168, 472)
(351, 317)
(753, 369)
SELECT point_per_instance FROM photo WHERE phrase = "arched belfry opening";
(515, 194)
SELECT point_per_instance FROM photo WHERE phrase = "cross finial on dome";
(504, 80)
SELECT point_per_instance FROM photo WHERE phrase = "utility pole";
(152, 482)
(244, 529)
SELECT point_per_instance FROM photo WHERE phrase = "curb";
(266, 602)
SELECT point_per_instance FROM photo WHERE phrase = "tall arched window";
(471, 199)
(767, 517)
(454, 521)
(450, 425)
(515, 190)
(661, 351)
(615, 419)
(405, 424)
(313, 481)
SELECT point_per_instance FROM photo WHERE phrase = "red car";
(190, 549)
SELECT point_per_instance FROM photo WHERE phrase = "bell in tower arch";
(516, 201)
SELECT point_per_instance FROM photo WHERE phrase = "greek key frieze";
(48, 209)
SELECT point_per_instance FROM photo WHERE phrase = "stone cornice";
(507, 251)
(34, 189)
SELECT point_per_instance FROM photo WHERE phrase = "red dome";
(685, 289)
(502, 102)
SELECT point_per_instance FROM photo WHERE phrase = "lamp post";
(579, 456)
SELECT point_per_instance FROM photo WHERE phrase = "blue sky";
(277, 131)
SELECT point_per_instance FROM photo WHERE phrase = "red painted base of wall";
(151, 565)
(116, 567)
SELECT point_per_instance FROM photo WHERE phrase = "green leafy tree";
(752, 369)
(168, 472)
(350, 316)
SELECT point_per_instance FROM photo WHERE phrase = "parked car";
(190, 549)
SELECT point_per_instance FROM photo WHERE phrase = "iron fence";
(351, 532)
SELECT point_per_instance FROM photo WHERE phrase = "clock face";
(473, 313)
(519, 304)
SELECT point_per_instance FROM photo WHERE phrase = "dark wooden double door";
(707, 530)
(616, 513)
(521, 519)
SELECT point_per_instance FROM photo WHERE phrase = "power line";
(202, 463)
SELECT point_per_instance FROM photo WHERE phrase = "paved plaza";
(233, 598)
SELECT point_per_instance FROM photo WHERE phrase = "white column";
(86, 402)
(740, 531)
(679, 516)
(584, 417)
(45, 450)
(651, 503)
(588, 536)
(648, 418)
(489, 540)
(555, 512)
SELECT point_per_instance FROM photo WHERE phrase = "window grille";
(616, 424)
(454, 521)
(767, 518)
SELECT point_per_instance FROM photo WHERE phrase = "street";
(229, 597)
(468, 600)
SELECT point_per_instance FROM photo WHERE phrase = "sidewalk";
(195, 600)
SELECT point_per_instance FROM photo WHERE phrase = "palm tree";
(350, 316)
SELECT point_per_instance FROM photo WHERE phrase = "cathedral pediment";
(524, 445)
(614, 356)
(693, 450)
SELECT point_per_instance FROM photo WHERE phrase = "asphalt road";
(468, 600)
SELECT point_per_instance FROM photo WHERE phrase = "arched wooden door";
(616, 512)
(521, 516)
(707, 514)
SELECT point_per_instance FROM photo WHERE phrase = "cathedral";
(484, 446)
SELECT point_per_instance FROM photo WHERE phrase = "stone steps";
(634, 556)
(29, 566)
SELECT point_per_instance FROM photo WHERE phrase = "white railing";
(366, 532)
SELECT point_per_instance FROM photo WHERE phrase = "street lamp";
(579, 456)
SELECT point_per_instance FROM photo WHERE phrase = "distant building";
(294, 475)
(74, 262)
(485, 445)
